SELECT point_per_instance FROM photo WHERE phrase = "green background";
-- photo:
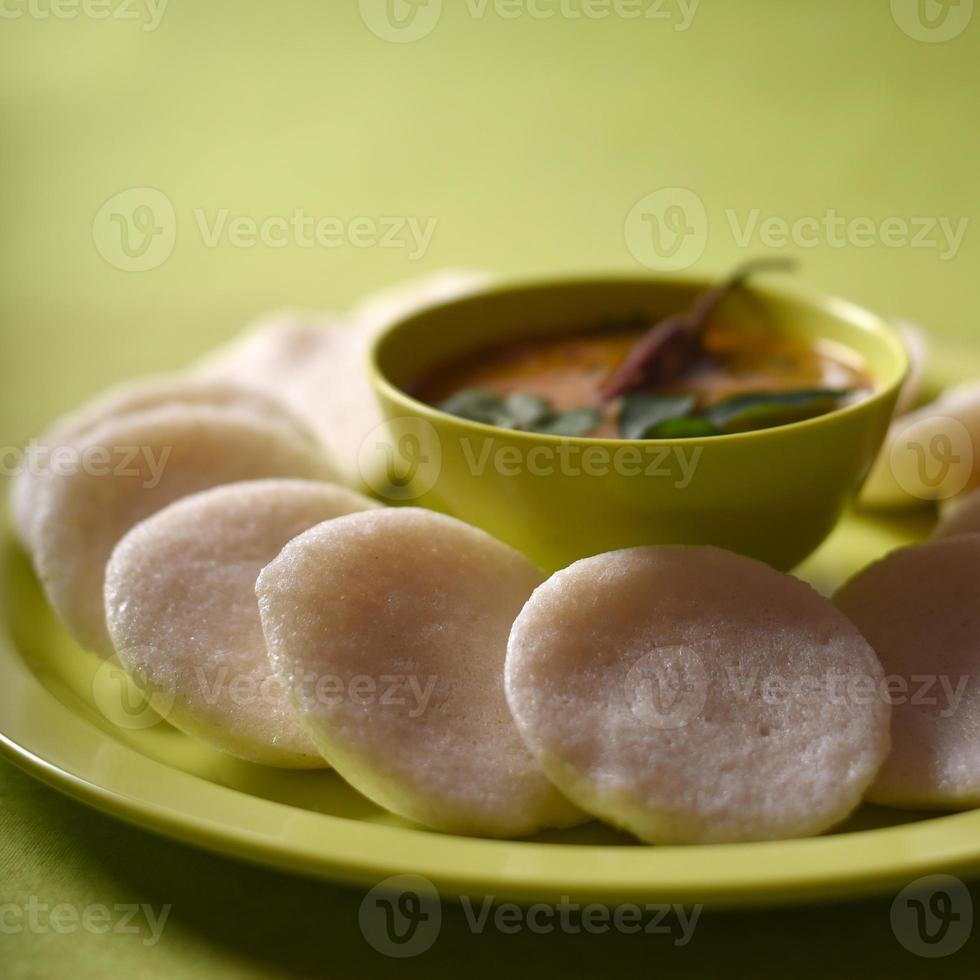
(529, 141)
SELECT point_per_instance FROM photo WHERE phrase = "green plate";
(69, 719)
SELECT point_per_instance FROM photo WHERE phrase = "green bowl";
(773, 494)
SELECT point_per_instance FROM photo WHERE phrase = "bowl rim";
(842, 309)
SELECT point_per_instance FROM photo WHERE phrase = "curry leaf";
(576, 422)
(679, 428)
(478, 406)
(642, 412)
(764, 410)
(522, 411)
(526, 409)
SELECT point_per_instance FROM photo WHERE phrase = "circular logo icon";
(401, 916)
(932, 21)
(933, 917)
(932, 458)
(135, 230)
(401, 21)
(123, 703)
(667, 230)
(667, 688)
(401, 459)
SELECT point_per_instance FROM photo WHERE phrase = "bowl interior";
(411, 347)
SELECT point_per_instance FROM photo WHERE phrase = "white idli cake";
(184, 621)
(961, 516)
(390, 628)
(316, 366)
(124, 399)
(930, 455)
(126, 469)
(690, 695)
(920, 609)
(316, 363)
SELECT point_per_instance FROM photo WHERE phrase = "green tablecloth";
(231, 920)
(521, 143)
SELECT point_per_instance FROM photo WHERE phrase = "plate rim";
(183, 806)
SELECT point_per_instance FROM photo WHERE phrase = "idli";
(316, 364)
(125, 469)
(929, 455)
(123, 399)
(690, 695)
(390, 628)
(184, 621)
(920, 609)
(960, 516)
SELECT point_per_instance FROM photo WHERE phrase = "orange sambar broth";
(570, 370)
